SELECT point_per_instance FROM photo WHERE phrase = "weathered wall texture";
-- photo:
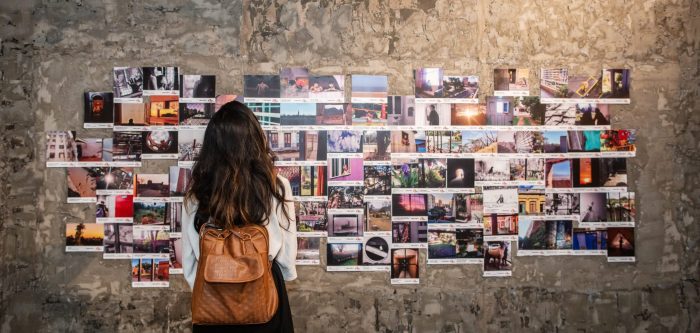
(52, 51)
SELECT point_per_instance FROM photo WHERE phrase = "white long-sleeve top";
(283, 242)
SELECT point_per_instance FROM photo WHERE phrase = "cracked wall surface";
(53, 51)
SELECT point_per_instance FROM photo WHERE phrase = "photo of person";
(460, 173)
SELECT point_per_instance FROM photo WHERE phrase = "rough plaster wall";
(52, 51)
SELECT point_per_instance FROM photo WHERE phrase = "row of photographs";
(171, 112)
(65, 149)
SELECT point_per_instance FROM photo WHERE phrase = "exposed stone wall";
(52, 51)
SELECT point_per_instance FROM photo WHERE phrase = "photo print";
(443, 142)
(567, 204)
(599, 172)
(153, 185)
(107, 150)
(460, 87)
(161, 80)
(84, 237)
(376, 145)
(117, 208)
(455, 246)
(581, 114)
(127, 83)
(150, 272)
(433, 114)
(498, 258)
(528, 111)
(61, 148)
(428, 82)
(294, 82)
(511, 81)
(98, 110)
(531, 200)
(313, 181)
(460, 173)
(499, 110)
(590, 241)
(500, 200)
(327, 88)
(377, 215)
(409, 232)
(441, 207)
(617, 140)
(462, 114)
(343, 254)
(151, 243)
(345, 197)
(118, 241)
(284, 144)
(81, 185)
(582, 86)
(401, 110)
(520, 142)
(150, 213)
(344, 141)
(620, 243)
(404, 266)
(159, 145)
(377, 180)
(535, 236)
(345, 170)
(419, 173)
(189, 143)
(196, 114)
(469, 208)
(404, 205)
(313, 145)
(175, 256)
(556, 142)
(311, 217)
(297, 114)
(115, 180)
(608, 207)
(261, 87)
(179, 179)
(308, 250)
(554, 83)
(369, 114)
(501, 225)
(375, 250)
(584, 141)
(527, 170)
(89, 149)
(198, 88)
(479, 142)
(558, 173)
(293, 174)
(407, 141)
(369, 88)
(333, 114)
(130, 116)
(268, 114)
(488, 170)
(616, 85)
(173, 218)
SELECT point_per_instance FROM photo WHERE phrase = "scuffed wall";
(52, 51)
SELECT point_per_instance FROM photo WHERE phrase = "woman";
(234, 182)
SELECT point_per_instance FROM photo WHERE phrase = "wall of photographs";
(472, 181)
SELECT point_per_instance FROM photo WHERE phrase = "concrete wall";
(52, 51)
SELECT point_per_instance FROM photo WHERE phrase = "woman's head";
(234, 178)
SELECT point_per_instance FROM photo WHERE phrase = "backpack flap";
(222, 268)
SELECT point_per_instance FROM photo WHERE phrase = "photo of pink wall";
(345, 169)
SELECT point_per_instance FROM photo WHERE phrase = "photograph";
(152, 185)
(345, 169)
(583, 86)
(345, 225)
(369, 114)
(261, 86)
(61, 146)
(419, 173)
(520, 142)
(528, 111)
(308, 248)
(487, 169)
(455, 244)
(526, 169)
(114, 207)
(620, 242)
(433, 114)
(179, 179)
(401, 110)
(293, 174)
(462, 114)
(428, 82)
(344, 141)
(500, 200)
(130, 114)
(377, 215)
(443, 142)
(460, 86)
(483, 142)
(198, 114)
(99, 108)
(150, 270)
(581, 114)
(499, 110)
(545, 235)
(89, 149)
(284, 144)
(594, 207)
(562, 204)
(127, 82)
(151, 241)
(198, 86)
(460, 173)
(150, 213)
(608, 207)
(590, 239)
(558, 173)
(176, 254)
(189, 143)
(268, 114)
(313, 145)
(404, 264)
(376, 250)
(599, 172)
(369, 86)
(161, 79)
(118, 238)
(107, 149)
(511, 79)
(555, 142)
(327, 87)
(126, 146)
(531, 200)
(617, 140)
(441, 208)
(615, 84)
(376, 145)
(498, 256)
(469, 208)
(294, 82)
(297, 114)
(84, 234)
(583, 141)
(409, 204)
(313, 181)
(409, 232)
(406, 141)
(345, 197)
(173, 216)
(344, 254)
(554, 82)
(115, 178)
(311, 216)
(334, 114)
(498, 225)
(81, 182)
(377, 179)
(159, 142)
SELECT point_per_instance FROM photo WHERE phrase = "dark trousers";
(281, 322)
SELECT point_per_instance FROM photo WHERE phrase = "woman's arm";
(190, 244)
(286, 258)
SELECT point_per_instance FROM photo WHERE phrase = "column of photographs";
(381, 177)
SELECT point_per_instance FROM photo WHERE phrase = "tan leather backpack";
(234, 283)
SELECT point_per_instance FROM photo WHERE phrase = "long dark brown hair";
(234, 178)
